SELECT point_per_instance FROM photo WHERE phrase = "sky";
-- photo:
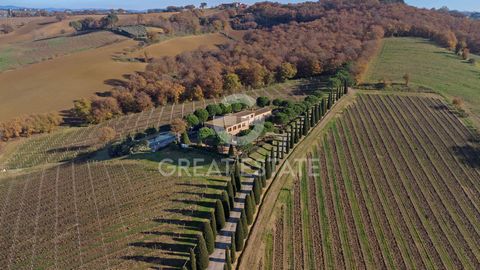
(463, 5)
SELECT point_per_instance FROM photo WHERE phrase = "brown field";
(53, 85)
(394, 182)
(178, 45)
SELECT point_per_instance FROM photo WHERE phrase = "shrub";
(263, 101)
(192, 120)
(140, 136)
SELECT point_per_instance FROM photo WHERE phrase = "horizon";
(462, 5)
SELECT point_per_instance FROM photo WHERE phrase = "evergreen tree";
(249, 209)
(233, 183)
(287, 143)
(306, 125)
(296, 138)
(231, 151)
(257, 190)
(192, 263)
(220, 215)
(233, 250)
(231, 192)
(252, 199)
(243, 217)
(185, 138)
(263, 179)
(228, 260)
(213, 223)
(226, 204)
(239, 235)
(209, 237)
(201, 252)
(278, 150)
(313, 116)
(345, 87)
(282, 147)
(238, 180)
(272, 157)
(329, 103)
(268, 167)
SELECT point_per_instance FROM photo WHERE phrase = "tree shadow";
(166, 263)
(468, 155)
(116, 83)
(199, 203)
(201, 194)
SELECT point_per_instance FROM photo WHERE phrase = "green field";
(429, 66)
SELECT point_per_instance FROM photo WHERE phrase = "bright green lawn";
(429, 66)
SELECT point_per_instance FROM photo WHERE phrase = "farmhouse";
(234, 123)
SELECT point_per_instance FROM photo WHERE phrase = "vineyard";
(101, 215)
(394, 182)
(69, 143)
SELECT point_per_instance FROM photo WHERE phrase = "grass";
(428, 66)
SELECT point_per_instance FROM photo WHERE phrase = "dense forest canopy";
(300, 40)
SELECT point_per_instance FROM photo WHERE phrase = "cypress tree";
(231, 151)
(201, 252)
(185, 138)
(233, 250)
(278, 155)
(226, 204)
(317, 113)
(306, 125)
(257, 190)
(231, 193)
(313, 116)
(192, 264)
(252, 199)
(208, 235)
(232, 183)
(238, 180)
(263, 179)
(239, 235)
(272, 158)
(243, 218)
(297, 131)
(220, 215)
(268, 168)
(282, 147)
(287, 143)
(213, 223)
(228, 261)
(249, 209)
(345, 87)
(329, 103)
